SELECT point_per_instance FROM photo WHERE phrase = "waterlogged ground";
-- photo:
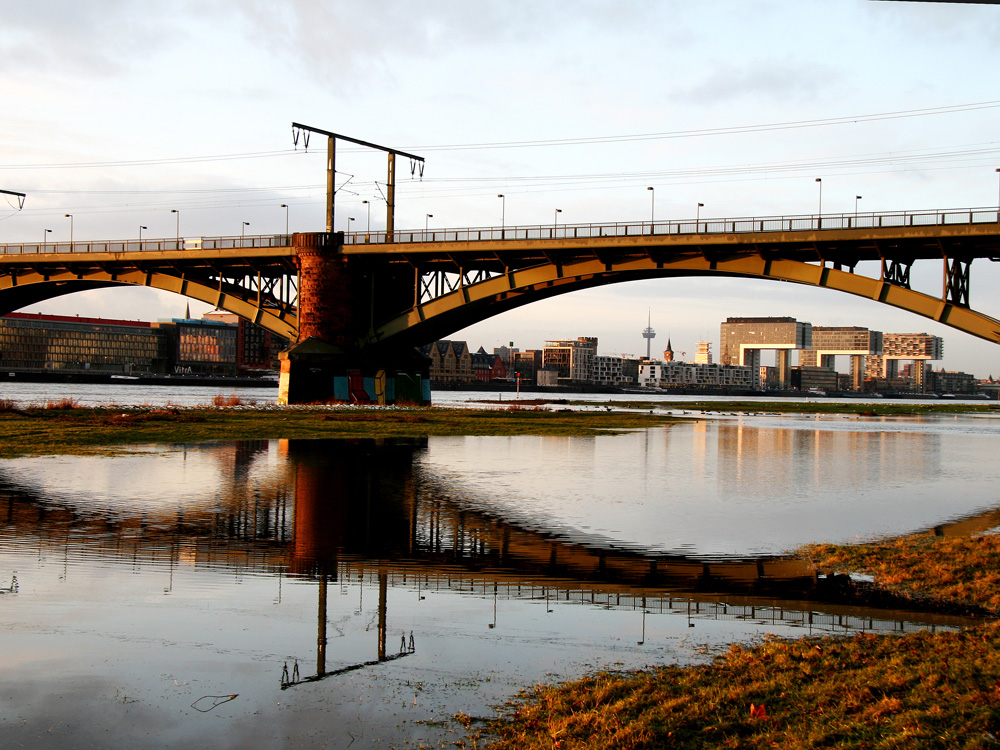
(362, 592)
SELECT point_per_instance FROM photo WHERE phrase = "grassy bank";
(926, 690)
(51, 429)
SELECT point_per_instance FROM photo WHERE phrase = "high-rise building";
(829, 342)
(571, 358)
(915, 347)
(704, 354)
(743, 339)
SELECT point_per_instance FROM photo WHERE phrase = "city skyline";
(177, 120)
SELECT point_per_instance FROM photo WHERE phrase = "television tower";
(649, 334)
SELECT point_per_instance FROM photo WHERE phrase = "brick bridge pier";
(339, 299)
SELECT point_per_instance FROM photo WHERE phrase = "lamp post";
(427, 218)
(243, 229)
(141, 227)
(349, 220)
(285, 206)
(697, 218)
(45, 235)
(368, 203)
(556, 221)
(177, 226)
(998, 195)
(503, 211)
(652, 206)
(856, 199)
(70, 217)
(819, 217)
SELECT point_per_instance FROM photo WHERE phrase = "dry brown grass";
(62, 404)
(231, 400)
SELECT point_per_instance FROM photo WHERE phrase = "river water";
(361, 592)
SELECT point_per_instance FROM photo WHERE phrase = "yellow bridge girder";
(53, 280)
(516, 288)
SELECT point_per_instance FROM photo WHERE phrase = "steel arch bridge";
(411, 288)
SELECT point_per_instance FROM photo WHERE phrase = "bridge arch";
(27, 288)
(473, 303)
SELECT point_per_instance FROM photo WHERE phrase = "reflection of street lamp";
(652, 204)
(70, 217)
(285, 206)
(494, 623)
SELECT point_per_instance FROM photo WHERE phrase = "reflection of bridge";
(359, 511)
(366, 298)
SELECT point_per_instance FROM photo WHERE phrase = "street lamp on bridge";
(856, 199)
(556, 220)
(243, 229)
(503, 211)
(697, 218)
(427, 217)
(70, 217)
(349, 220)
(177, 227)
(819, 216)
(368, 203)
(45, 235)
(141, 227)
(285, 206)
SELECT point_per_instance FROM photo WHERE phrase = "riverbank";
(927, 690)
(60, 427)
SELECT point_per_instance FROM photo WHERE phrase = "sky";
(117, 111)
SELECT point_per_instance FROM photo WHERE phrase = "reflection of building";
(32, 342)
(743, 339)
(571, 358)
(855, 342)
(916, 347)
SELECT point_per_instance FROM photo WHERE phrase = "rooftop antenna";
(20, 197)
(649, 334)
(331, 164)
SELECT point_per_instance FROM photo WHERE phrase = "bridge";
(357, 304)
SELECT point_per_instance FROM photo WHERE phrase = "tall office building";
(829, 342)
(742, 340)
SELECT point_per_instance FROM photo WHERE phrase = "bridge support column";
(328, 364)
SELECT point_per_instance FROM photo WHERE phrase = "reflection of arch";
(472, 303)
(268, 301)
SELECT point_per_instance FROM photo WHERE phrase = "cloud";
(64, 35)
(781, 81)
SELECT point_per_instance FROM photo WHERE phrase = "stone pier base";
(315, 372)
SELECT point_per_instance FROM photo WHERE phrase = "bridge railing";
(695, 226)
(738, 225)
(152, 245)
